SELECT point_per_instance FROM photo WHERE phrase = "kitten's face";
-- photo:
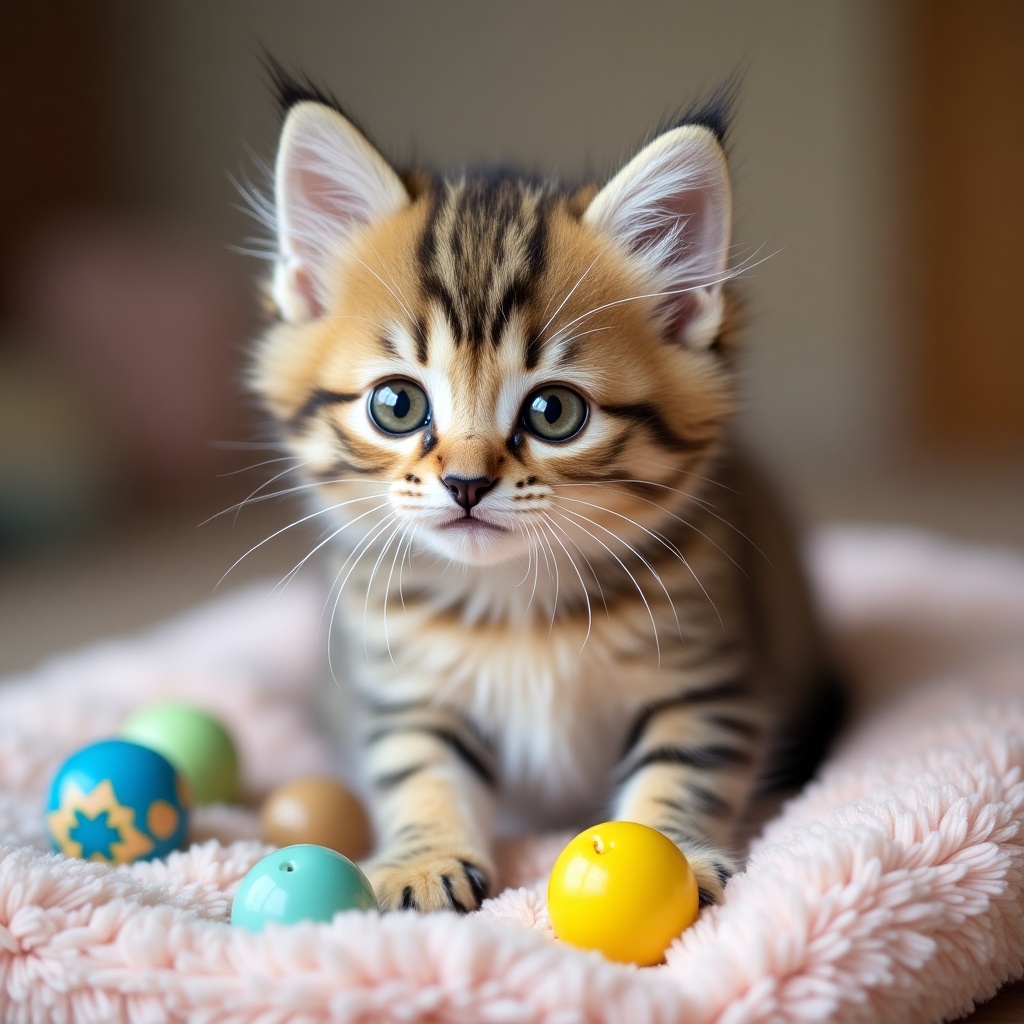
(476, 369)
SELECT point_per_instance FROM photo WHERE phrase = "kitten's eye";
(554, 413)
(399, 407)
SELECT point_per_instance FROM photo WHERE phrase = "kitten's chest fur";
(550, 686)
(550, 707)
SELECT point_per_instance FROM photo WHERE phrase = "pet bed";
(888, 890)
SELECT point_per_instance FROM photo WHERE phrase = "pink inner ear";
(689, 231)
(302, 281)
(318, 213)
(704, 231)
(671, 207)
(323, 200)
(679, 312)
(329, 182)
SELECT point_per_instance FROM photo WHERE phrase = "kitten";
(513, 400)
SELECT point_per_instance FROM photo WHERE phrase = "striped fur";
(598, 635)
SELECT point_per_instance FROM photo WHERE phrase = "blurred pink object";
(152, 322)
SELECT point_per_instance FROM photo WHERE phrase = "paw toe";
(430, 884)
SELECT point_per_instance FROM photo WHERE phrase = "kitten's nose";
(467, 492)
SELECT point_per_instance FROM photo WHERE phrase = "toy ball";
(623, 889)
(195, 743)
(117, 802)
(300, 883)
(319, 811)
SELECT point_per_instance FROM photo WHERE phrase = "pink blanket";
(889, 890)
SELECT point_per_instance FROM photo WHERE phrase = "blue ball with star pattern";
(117, 802)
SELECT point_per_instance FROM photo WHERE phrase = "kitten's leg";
(432, 787)
(687, 770)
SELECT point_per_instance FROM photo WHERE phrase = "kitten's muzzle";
(466, 491)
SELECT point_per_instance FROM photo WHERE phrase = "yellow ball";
(624, 889)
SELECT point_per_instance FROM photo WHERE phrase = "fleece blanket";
(888, 890)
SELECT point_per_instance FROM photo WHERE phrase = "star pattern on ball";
(97, 826)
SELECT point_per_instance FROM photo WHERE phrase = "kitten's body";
(516, 402)
(553, 690)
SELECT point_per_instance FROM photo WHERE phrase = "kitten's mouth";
(472, 540)
(472, 524)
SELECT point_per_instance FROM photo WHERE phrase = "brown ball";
(316, 810)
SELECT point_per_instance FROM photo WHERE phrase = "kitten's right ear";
(328, 183)
(670, 208)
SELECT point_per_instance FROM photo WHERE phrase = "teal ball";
(117, 802)
(300, 883)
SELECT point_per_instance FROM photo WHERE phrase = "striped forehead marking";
(482, 251)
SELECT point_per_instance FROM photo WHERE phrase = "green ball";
(300, 883)
(195, 743)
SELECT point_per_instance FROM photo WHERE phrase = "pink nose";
(467, 492)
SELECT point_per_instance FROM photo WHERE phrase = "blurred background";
(878, 153)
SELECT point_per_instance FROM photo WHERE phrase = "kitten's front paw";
(712, 870)
(430, 881)
(711, 866)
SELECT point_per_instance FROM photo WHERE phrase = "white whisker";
(554, 563)
(625, 568)
(260, 465)
(633, 550)
(529, 553)
(542, 550)
(364, 545)
(665, 293)
(406, 556)
(536, 564)
(327, 539)
(401, 295)
(399, 552)
(656, 536)
(307, 486)
(369, 585)
(564, 343)
(696, 476)
(250, 446)
(583, 586)
(290, 526)
(362, 319)
(569, 294)
(252, 497)
(394, 294)
(583, 555)
(707, 506)
(685, 522)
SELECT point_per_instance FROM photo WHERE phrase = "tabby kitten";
(513, 402)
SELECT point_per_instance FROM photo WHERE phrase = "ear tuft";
(292, 89)
(713, 111)
(329, 182)
(670, 208)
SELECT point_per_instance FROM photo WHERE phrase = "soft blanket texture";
(889, 890)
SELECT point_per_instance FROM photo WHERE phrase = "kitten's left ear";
(329, 182)
(670, 207)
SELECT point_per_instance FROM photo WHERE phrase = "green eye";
(554, 413)
(399, 407)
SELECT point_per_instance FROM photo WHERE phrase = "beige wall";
(817, 155)
(571, 86)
